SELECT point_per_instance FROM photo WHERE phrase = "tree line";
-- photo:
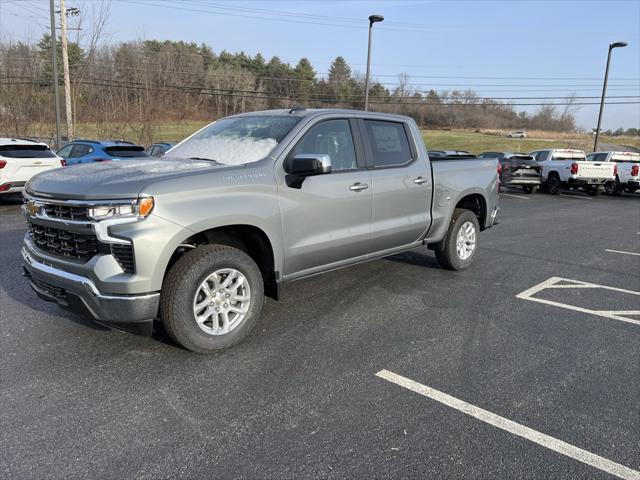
(142, 84)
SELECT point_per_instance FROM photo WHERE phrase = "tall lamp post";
(604, 90)
(372, 19)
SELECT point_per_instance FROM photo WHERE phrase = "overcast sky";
(542, 48)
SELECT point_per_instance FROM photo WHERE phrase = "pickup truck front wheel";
(211, 298)
(460, 246)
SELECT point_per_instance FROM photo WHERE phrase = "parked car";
(91, 151)
(22, 159)
(159, 149)
(517, 170)
(490, 155)
(568, 168)
(518, 134)
(448, 153)
(248, 202)
(628, 164)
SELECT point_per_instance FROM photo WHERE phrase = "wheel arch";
(476, 203)
(251, 239)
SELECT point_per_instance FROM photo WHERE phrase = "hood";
(111, 180)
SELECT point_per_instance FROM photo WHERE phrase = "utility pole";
(54, 60)
(65, 69)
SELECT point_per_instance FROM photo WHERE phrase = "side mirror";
(302, 166)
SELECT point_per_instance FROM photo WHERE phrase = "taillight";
(499, 169)
(615, 169)
(634, 170)
(63, 162)
(3, 163)
(574, 169)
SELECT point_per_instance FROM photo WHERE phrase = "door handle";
(420, 180)
(356, 187)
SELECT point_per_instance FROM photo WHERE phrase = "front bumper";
(80, 294)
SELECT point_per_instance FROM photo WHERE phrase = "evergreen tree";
(305, 77)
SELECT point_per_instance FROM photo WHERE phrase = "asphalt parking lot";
(540, 332)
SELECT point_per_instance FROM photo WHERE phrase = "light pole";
(372, 19)
(604, 90)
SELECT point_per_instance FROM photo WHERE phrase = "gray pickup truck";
(198, 238)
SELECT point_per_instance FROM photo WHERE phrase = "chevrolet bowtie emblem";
(33, 208)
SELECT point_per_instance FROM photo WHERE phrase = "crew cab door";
(401, 183)
(328, 218)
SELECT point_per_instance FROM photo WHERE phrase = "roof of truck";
(308, 112)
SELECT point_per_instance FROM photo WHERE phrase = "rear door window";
(388, 144)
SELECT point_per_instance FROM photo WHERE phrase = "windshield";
(236, 141)
(25, 151)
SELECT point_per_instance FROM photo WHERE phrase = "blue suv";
(89, 151)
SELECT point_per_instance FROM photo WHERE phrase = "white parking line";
(575, 196)
(620, 251)
(514, 196)
(551, 283)
(510, 426)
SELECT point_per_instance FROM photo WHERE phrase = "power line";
(266, 96)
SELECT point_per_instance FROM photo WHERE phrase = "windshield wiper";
(207, 159)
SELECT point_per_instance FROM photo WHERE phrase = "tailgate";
(595, 169)
(524, 166)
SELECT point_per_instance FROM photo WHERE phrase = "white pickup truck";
(568, 168)
(628, 165)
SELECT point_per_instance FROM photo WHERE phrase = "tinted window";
(388, 142)
(332, 138)
(65, 151)
(542, 156)
(126, 151)
(25, 151)
(80, 150)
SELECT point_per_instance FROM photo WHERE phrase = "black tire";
(529, 189)
(446, 251)
(613, 188)
(182, 283)
(552, 185)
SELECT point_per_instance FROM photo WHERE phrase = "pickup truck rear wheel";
(211, 298)
(460, 245)
(613, 188)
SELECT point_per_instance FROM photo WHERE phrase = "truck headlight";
(139, 208)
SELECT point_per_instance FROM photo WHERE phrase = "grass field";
(472, 141)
